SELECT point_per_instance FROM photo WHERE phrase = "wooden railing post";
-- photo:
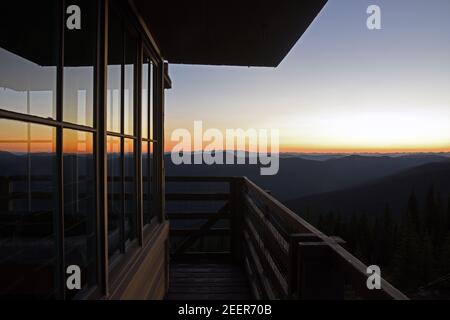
(236, 209)
(293, 266)
(320, 274)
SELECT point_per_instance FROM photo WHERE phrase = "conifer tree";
(426, 256)
(364, 238)
(307, 215)
(432, 216)
(329, 223)
(406, 264)
(337, 229)
(444, 259)
(448, 215)
(430, 209)
(387, 236)
(413, 211)
(352, 233)
(320, 223)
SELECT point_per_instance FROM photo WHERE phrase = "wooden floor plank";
(189, 296)
(207, 281)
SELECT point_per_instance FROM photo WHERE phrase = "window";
(115, 201)
(79, 205)
(130, 191)
(147, 135)
(122, 183)
(28, 168)
(28, 209)
(80, 242)
(151, 90)
(79, 60)
(145, 97)
(129, 68)
(28, 69)
(147, 181)
(114, 83)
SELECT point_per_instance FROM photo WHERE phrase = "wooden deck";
(207, 281)
(277, 254)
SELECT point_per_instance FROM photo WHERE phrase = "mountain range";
(299, 177)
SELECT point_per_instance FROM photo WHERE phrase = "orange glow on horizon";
(81, 147)
(330, 150)
(364, 150)
(14, 138)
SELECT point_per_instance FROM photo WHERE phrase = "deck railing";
(284, 256)
(200, 231)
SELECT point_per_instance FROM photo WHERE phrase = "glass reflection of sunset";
(20, 137)
(77, 142)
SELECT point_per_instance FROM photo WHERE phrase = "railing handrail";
(354, 265)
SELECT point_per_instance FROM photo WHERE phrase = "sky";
(342, 88)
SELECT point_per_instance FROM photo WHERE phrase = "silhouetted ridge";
(372, 197)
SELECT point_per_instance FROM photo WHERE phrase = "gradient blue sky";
(341, 88)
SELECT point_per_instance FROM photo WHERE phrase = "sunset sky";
(342, 88)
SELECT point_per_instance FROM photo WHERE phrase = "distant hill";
(297, 177)
(327, 156)
(372, 197)
(300, 177)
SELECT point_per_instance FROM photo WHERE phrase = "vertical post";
(59, 217)
(138, 148)
(101, 150)
(122, 139)
(156, 153)
(162, 179)
(164, 69)
(159, 150)
(293, 266)
(237, 222)
(320, 274)
(167, 266)
(236, 210)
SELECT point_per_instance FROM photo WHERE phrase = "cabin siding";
(146, 277)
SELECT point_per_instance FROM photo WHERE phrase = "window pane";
(130, 191)
(145, 179)
(151, 88)
(144, 98)
(113, 98)
(147, 183)
(79, 60)
(79, 205)
(28, 57)
(115, 204)
(115, 59)
(130, 60)
(28, 209)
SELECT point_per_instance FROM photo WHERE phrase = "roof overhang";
(231, 32)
